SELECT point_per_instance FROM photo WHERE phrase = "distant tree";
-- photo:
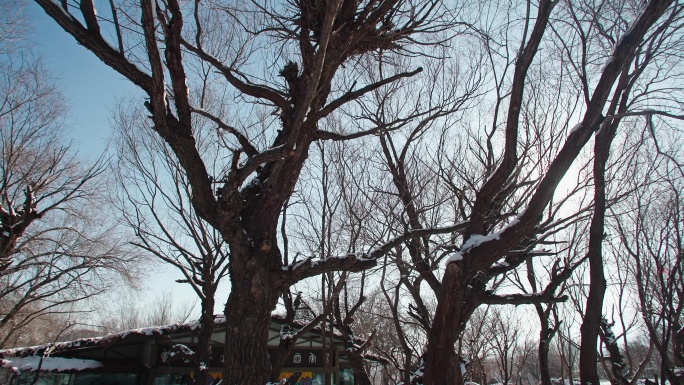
(123, 313)
(154, 202)
(509, 345)
(484, 245)
(549, 324)
(651, 234)
(13, 27)
(57, 247)
(626, 354)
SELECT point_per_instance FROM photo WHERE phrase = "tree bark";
(204, 340)
(616, 359)
(593, 312)
(248, 318)
(440, 360)
(545, 336)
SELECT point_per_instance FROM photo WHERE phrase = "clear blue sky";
(89, 85)
(92, 88)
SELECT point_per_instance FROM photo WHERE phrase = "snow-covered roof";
(129, 336)
(47, 364)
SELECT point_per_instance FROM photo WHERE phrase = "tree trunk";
(360, 373)
(544, 342)
(617, 362)
(593, 313)
(248, 317)
(588, 363)
(204, 340)
(678, 340)
(441, 365)
(278, 358)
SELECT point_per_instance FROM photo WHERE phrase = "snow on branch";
(415, 233)
(271, 155)
(618, 365)
(515, 259)
(309, 267)
(523, 299)
(179, 352)
(559, 274)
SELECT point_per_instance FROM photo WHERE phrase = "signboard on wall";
(305, 358)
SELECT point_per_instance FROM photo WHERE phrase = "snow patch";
(478, 239)
(285, 332)
(575, 128)
(177, 349)
(49, 364)
(607, 63)
(61, 9)
(472, 242)
(455, 257)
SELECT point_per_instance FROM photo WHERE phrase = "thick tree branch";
(255, 162)
(95, 43)
(296, 271)
(647, 113)
(617, 361)
(174, 63)
(88, 12)
(158, 95)
(410, 234)
(310, 267)
(183, 144)
(334, 136)
(510, 157)
(522, 299)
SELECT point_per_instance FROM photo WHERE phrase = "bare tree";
(625, 97)
(13, 27)
(57, 247)
(154, 201)
(119, 315)
(476, 347)
(626, 356)
(568, 351)
(288, 67)
(315, 40)
(650, 234)
(484, 246)
(509, 345)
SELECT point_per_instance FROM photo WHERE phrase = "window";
(306, 378)
(183, 379)
(172, 379)
(44, 379)
(346, 377)
(106, 379)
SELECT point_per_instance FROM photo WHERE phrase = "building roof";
(138, 349)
